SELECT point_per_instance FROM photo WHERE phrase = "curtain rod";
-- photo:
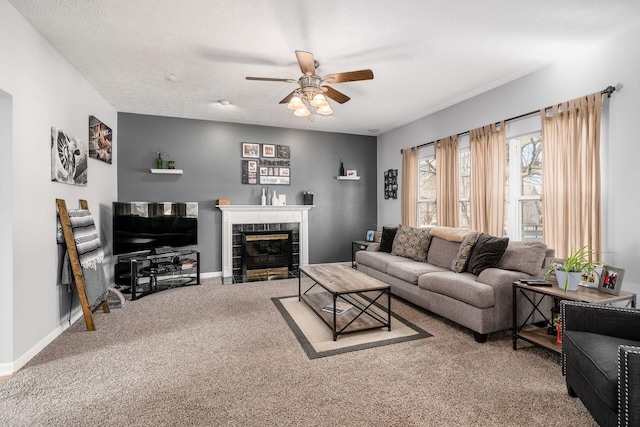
(609, 90)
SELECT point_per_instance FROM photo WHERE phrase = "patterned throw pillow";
(460, 261)
(411, 243)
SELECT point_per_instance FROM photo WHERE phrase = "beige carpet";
(316, 337)
(222, 355)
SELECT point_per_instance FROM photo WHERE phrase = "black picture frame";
(250, 150)
(391, 184)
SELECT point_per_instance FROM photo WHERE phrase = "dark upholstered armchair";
(601, 360)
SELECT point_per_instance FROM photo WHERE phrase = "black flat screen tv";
(153, 226)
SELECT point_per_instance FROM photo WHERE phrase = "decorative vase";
(341, 169)
(263, 198)
(159, 161)
(274, 199)
(568, 281)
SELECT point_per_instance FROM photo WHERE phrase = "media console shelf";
(145, 274)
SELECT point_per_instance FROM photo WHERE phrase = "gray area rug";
(316, 338)
(222, 355)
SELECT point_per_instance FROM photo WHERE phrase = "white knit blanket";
(86, 237)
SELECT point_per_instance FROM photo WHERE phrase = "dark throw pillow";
(388, 234)
(486, 253)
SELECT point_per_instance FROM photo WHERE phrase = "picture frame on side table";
(592, 280)
(370, 236)
(611, 280)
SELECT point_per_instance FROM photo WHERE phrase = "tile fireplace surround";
(256, 214)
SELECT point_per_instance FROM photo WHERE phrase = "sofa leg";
(480, 338)
(570, 391)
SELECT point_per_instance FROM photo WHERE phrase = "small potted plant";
(569, 271)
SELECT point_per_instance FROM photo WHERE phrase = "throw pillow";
(412, 243)
(527, 257)
(460, 261)
(486, 253)
(386, 242)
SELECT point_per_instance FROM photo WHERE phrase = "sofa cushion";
(442, 252)
(386, 241)
(460, 286)
(523, 256)
(486, 253)
(378, 260)
(411, 271)
(464, 252)
(596, 357)
(412, 243)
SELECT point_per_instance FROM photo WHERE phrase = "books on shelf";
(341, 307)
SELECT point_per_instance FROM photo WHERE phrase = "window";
(525, 188)
(427, 192)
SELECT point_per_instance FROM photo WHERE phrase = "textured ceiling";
(425, 55)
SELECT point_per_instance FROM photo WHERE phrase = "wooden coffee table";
(335, 285)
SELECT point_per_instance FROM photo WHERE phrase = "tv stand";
(149, 273)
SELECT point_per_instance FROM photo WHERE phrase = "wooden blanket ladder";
(78, 277)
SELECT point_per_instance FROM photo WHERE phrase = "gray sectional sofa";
(456, 273)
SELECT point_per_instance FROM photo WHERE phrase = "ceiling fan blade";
(269, 79)
(307, 63)
(351, 76)
(287, 98)
(339, 97)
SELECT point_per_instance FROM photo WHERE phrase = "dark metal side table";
(538, 336)
(358, 245)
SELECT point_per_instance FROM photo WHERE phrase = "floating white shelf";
(167, 171)
(348, 178)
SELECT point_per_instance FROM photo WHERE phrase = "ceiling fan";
(312, 89)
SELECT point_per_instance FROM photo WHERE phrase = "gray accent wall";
(210, 155)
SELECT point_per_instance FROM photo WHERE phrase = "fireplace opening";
(267, 255)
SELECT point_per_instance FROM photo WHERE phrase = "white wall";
(579, 74)
(45, 91)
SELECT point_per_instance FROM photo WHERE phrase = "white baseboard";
(211, 274)
(11, 368)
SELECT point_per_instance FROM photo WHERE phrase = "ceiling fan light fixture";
(302, 112)
(319, 100)
(295, 103)
(325, 110)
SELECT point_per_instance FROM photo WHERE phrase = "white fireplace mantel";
(256, 214)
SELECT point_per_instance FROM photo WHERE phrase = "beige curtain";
(447, 190)
(571, 175)
(488, 164)
(410, 187)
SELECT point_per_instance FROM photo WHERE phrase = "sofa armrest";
(373, 247)
(499, 277)
(600, 319)
(628, 385)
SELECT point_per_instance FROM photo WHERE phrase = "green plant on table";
(577, 262)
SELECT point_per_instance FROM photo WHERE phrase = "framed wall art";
(269, 164)
(250, 172)
(250, 150)
(268, 150)
(100, 140)
(391, 184)
(68, 158)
